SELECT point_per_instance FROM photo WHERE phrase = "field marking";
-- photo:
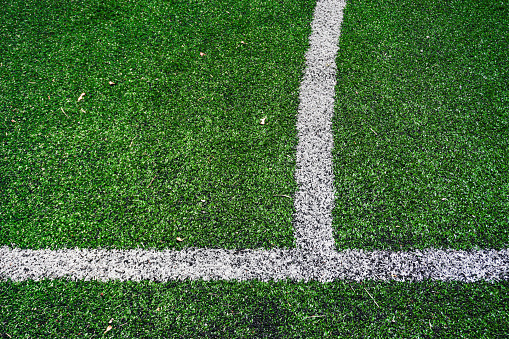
(315, 257)
(272, 265)
(314, 199)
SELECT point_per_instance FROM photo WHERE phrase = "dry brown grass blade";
(64, 112)
(283, 195)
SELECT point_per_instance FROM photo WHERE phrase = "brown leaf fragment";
(111, 83)
(151, 180)
(179, 239)
(109, 328)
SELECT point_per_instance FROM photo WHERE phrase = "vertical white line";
(314, 199)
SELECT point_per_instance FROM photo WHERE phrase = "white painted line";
(314, 199)
(209, 264)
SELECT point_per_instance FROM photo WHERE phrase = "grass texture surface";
(84, 309)
(421, 129)
(131, 124)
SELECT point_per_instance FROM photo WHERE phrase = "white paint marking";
(277, 264)
(314, 200)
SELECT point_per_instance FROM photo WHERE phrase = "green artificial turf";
(85, 309)
(421, 127)
(173, 148)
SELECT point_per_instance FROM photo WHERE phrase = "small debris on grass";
(315, 316)
(283, 195)
(64, 112)
(262, 120)
(111, 83)
(202, 54)
(151, 181)
(371, 296)
(109, 328)
(81, 97)
(179, 239)
(111, 320)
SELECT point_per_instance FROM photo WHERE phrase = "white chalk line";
(271, 265)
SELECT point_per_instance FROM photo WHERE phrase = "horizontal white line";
(217, 264)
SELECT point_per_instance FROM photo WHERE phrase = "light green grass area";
(421, 130)
(62, 309)
(173, 148)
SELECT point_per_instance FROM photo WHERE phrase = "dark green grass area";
(84, 309)
(174, 148)
(421, 128)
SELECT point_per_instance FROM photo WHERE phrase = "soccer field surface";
(395, 169)
(323, 160)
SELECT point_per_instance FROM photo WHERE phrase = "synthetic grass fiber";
(167, 140)
(421, 125)
(85, 309)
